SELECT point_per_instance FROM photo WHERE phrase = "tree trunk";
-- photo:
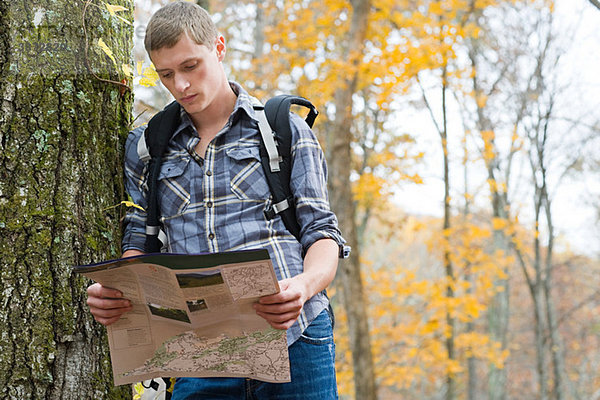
(536, 289)
(339, 163)
(470, 326)
(498, 311)
(556, 345)
(450, 321)
(543, 201)
(61, 135)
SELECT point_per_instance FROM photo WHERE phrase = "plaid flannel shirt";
(217, 203)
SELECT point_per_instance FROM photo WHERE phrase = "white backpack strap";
(142, 148)
(162, 236)
(267, 135)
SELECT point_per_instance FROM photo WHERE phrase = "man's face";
(191, 72)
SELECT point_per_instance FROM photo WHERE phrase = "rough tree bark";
(341, 198)
(61, 135)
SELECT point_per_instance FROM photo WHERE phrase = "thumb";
(284, 284)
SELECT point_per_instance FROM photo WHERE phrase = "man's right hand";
(106, 305)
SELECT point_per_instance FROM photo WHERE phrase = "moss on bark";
(61, 138)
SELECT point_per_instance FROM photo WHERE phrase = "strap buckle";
(345, 251)
(277, 208)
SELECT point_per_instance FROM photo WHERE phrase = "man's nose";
(181, 83)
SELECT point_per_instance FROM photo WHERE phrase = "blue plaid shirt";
(217, 203)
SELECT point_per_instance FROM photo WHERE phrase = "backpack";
(275, 154)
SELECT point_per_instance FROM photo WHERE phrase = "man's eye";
(189, 67)
(166, 76)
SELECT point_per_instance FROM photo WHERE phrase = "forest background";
(461, 140)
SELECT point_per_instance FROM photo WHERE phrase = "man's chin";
(190, 108)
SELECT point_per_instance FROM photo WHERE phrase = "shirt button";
(211, 236)
(209, 173)
(209, 204)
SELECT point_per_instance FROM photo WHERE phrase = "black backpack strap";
(157, 135)
(277, 111)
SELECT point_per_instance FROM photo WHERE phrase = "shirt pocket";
(174, 187)
(247, 178)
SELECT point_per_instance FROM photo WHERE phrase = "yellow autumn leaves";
(409, 302)
(146, 76)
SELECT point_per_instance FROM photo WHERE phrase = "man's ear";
(221, 48)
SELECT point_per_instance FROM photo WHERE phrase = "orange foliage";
(408, 302)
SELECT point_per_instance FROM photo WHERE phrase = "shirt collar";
(243, 105)
(186, 122)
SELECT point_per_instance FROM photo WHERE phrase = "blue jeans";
(312, 367)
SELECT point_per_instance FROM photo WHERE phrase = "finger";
(281, 297)
(279, 318)
(279, 308)
(107, 321)
(97, 290)
(107, 304)
(282, 325)
(110, 313)
(283, 291)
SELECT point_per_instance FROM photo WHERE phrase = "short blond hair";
(173, 20)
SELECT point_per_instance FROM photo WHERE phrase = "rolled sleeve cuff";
(134, 234)
(310, 238)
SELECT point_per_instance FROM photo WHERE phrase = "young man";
(213, 193)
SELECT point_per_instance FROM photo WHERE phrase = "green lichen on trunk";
(61, 138)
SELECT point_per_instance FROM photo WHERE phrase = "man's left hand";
(282, 309)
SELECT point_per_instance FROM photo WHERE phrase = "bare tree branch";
(595, 3)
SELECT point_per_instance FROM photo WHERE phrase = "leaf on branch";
(114, 9)
(124, 20)
(106, 50)
(127, 70)
(126, 204)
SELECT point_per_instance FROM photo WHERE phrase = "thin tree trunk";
(499, 307)
(556, 347)
(450, 383)
(470, 327)
(61, 134)
(339, 163)
(555, 343)
(259, 32)
(537, 294)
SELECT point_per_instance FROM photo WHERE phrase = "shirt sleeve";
(134, 223)
(309, 186)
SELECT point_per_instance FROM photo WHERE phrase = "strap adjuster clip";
(277, 208)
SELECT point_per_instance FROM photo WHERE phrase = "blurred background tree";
(480, 295)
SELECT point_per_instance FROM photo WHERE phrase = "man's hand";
(106, 305)
(282, 309)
